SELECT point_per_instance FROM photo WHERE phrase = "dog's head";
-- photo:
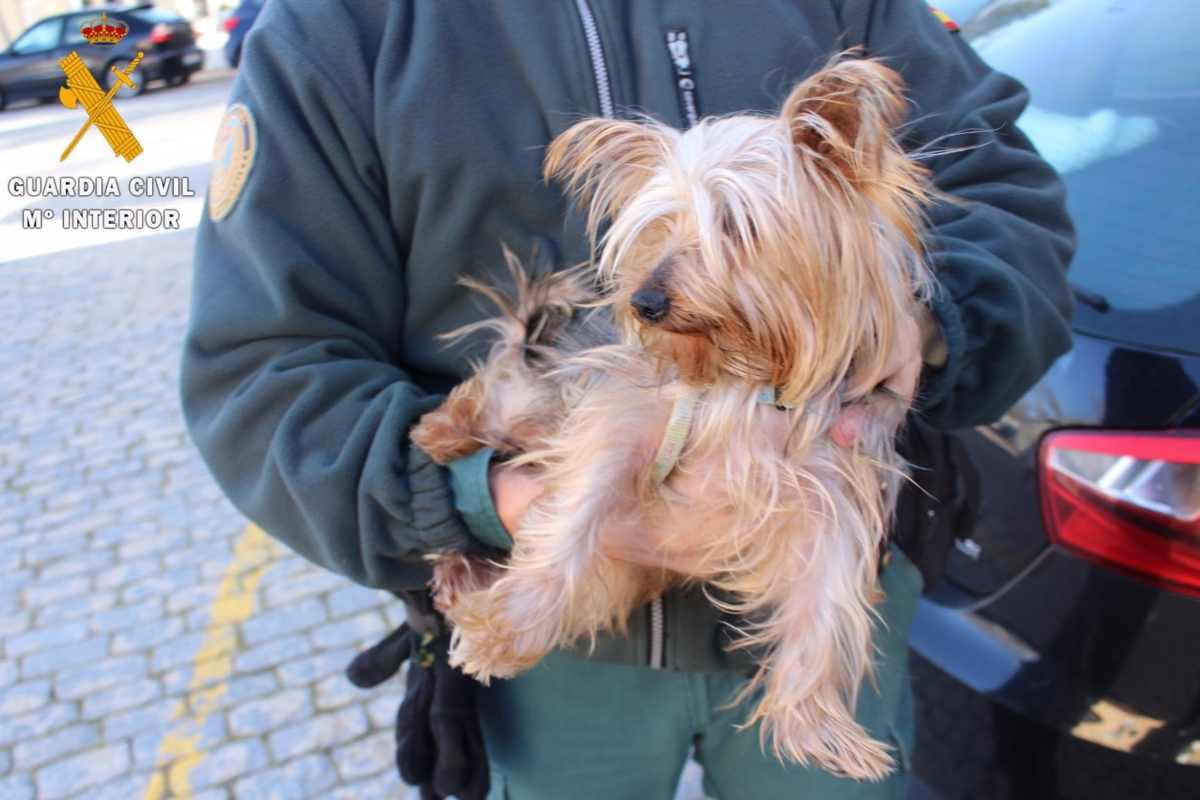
(772, 248)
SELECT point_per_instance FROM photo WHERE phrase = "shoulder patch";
(944, 18)
(233, 155)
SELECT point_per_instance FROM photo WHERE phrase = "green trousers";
(571, 729)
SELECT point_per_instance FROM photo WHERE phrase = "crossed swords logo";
(99, 105)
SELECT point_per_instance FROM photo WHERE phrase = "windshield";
(1115, 103)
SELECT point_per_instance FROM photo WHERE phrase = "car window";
(1114, 107)
(72, 36)
(43, 36)
(156, 15)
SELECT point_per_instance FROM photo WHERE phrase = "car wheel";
(3, 99)
(138, 77)
(178, 78)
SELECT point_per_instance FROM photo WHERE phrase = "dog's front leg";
(455, 428)
(818, 638)
(557, 586)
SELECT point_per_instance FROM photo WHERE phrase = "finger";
(513, 490)
(847, 427)
(452, 769)
(415, 746)
(376, 664)
(479, 784)
(690, 565)
(904, 350)
(904, 381)
(415, 756)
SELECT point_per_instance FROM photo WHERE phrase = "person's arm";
(1001, 253)
(290, 384)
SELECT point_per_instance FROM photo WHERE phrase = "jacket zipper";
(658, 632)
(596, 51)
(656, 611)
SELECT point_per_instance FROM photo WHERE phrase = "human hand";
(671, 541)
(680, 535)
(513, 489)
(439, 744)
(919, 341)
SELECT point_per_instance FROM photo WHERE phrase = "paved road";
(152, 644)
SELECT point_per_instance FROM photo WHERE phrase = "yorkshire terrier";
(753, 265)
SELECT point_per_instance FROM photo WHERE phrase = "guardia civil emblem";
(233, 155)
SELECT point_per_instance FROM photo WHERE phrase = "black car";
(29, 68)
(1059, 656)
(237, 25)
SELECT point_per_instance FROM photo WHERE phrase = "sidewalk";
(151, 643)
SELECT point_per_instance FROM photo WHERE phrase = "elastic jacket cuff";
(938, 382)
(473, 498)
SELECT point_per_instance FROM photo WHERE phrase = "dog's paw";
(494, 637)
(834, 743)
(449, 431)
(455, 576)
(482, 668)
(485, 654)
(851, 753)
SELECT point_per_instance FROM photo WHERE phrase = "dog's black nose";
(650, 304)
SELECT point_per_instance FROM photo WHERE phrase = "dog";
(755, 268)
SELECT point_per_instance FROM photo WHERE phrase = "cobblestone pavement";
(151, 644)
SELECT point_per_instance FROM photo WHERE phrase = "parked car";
(29, 67)
(237, 25)
(1059, 656)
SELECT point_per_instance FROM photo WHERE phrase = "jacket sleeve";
(1001, 252)
(290, 382)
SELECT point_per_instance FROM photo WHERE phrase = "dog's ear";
(604, 162)
(846, 114)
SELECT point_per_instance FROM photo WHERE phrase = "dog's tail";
(541, 316)
(513, 399)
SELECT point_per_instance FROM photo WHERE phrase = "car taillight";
(229, 24)
(161, 33)
(1127, 499)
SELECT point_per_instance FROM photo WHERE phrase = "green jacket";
(399, 145)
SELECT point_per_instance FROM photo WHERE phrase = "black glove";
(439, 746)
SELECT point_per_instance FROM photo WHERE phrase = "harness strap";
(680, 425)
(769, 396)
(675, 437)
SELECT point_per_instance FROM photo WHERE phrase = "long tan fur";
(788, 246)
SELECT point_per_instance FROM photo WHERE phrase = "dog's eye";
(660, 278)
(739, 228)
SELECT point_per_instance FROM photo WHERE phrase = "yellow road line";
(179, 752)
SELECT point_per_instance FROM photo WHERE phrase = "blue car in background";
(1059, 655)
(237, 25)
(29, 67)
